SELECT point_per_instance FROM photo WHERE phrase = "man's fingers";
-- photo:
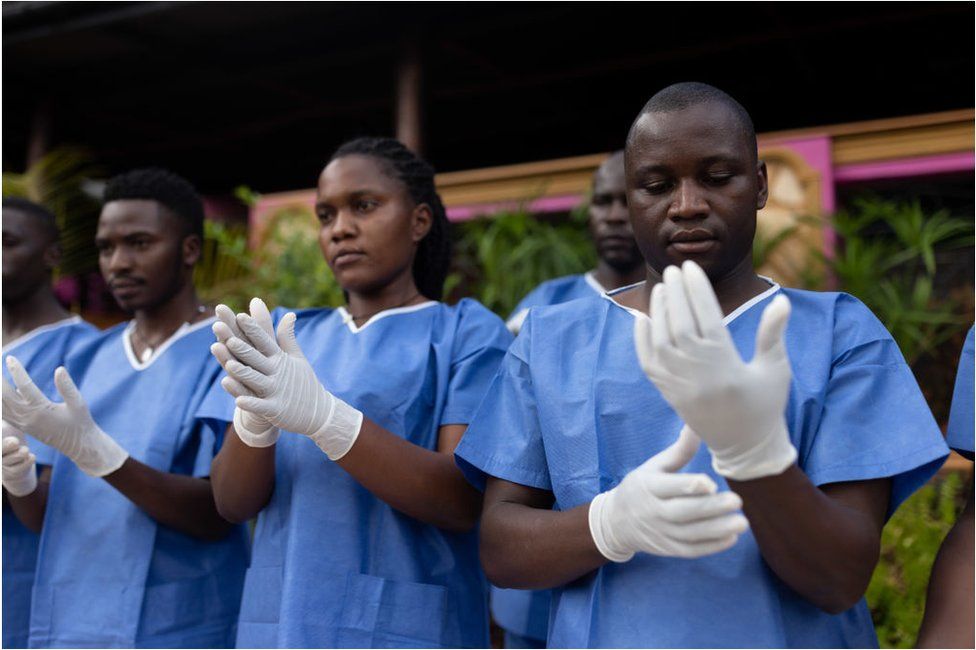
(701, 549)
(679, 453)
(25, 385)
(681, 510)
(772, 324)
(255, 405)
(701, 297)
(249, 356)
(667, 486)
(717, 528)
(10, 445)
(642, 343)
(681, 323)
(67, 389)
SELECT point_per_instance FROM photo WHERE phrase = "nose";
(343, 226)
(688, 202)
(119, 260)
(617, 214)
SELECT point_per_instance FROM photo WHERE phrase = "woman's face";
(370, 226)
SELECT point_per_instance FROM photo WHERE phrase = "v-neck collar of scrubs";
(590, 278)
(182, 331)
(731, 316)
(23, 338)
(347, 317)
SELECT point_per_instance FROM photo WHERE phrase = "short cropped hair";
(169, 189)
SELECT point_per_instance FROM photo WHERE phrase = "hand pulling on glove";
(659, 511)
(737, 408)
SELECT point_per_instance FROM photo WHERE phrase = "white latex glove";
(251, 428)
(275, 381)
(659, 511)
(19, 464)
(67, 426)
(737, 408)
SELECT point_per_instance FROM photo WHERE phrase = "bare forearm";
(181, 502)
(820, 545)
(949, 620)
(30, 508)
(526, 547)
(423, 484)
(243, 478)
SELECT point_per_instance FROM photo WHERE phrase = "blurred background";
(865, 114)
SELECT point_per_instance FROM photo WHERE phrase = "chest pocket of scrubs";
(381, 613)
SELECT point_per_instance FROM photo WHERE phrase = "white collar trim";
(182, 331)
(347, 317)
(20, 340)
(591, 280)
(731, 316)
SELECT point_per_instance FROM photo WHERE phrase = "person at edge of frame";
(343, 422)
(133, 552)
(588, 443)
(949, 605)
(40, 332)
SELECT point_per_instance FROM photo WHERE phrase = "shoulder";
(850, 322)
(469, 315)
(567, 325)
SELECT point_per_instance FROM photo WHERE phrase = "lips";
(125, 286)
(695, 240)
(346, 257)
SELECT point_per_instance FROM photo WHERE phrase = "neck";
(34, 310)
(611, 278)
(165, 318)
(402, 292)
(736, 287)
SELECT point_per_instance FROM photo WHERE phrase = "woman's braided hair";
(430, 266)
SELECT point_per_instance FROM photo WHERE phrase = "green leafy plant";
(888, 258)
(909, 544)
(499, 259)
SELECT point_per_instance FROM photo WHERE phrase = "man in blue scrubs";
(596, 486)
(949, 606)
(620, 263)
(39, 331)
(133, 552)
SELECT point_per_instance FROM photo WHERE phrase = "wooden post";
(408, 98)
(39, 136)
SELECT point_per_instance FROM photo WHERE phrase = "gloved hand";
(659, 511)
(275, 381)
(251, 428)
(737, 408)
(19, 464)
(67, 426)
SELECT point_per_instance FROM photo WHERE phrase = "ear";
(192, 250)
(422, 219)
(763, 179)
(52, 256)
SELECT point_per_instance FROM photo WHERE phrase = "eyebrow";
(355, 194)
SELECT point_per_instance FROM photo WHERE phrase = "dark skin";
(370, 229)
(949, 605)
(30, 254)
(147, 260)
(695, 172)
(620, 262)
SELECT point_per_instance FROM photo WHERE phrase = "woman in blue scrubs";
(375, 548)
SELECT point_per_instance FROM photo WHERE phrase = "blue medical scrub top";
(960, 432)
(41, 351)
(108, 575)
(570, 411)
(554, 292)
(526, 613)
(334, 566)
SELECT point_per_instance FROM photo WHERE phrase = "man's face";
(29, 255)
(609, 220)
(694, 187)
(143, 253)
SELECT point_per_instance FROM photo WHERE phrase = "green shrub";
(909, 544)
